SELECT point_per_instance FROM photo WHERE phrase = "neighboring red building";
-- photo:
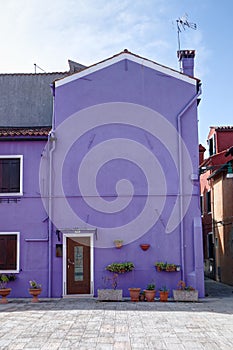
(216, 181)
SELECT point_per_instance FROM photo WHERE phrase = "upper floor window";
(212, 145)
(201, 205)
(208, 201)
(210, 245)
(9, 251)
(11, 181)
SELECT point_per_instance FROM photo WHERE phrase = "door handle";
(70, 262)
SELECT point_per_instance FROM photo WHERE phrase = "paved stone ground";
(89, 324)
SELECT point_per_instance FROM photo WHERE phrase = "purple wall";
(118, 123)
(28, 217)
(94, 119)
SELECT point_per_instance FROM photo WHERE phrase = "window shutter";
(14, 175)
(8, 252)
(9, 175)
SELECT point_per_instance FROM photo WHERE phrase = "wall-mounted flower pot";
(118, 243)
(145, 246)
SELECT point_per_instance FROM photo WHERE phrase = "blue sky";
(48, 33)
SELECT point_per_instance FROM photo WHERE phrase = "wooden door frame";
(75, 235)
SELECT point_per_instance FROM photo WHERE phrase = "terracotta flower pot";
(163, 296)
(35, 292)
(150, 295)
(4, 292)
(145, 246)
(134, 293)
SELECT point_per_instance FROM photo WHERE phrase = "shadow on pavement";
(219, 299)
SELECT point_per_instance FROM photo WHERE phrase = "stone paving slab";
(89, 324)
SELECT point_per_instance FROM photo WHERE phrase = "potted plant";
(163, 294)
(150, 292)
(185, 293)
(164, 266)
(134, 293)
(4, 291)
(122, 267)
(35, 290)
(142, 296)
(114, 294)
(118, 243)
(160, 266)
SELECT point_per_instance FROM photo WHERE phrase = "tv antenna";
(182, 23)
(36, 66)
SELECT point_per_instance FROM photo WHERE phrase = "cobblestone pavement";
(89, 324)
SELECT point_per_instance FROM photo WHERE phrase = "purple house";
(120, 163)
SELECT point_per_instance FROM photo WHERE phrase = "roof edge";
(126, 55)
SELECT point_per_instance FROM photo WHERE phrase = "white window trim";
(17, 252)
(20, 193)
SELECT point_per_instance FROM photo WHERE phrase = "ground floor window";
(9, 251)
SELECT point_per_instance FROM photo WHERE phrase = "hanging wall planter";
(164, 266)
(145, 246)
(118, 243)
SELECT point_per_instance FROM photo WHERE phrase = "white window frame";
(79, 235)
(20, 193)
(17, 252)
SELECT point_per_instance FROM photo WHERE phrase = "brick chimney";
(186, 59)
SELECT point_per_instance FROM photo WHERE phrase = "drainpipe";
(179, 116)
(51, 143)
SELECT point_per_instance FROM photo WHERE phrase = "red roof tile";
(11, 132)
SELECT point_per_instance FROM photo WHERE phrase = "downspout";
(51, 142)
(179, 116)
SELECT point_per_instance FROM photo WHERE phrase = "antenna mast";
(36, 66)
(182, 23)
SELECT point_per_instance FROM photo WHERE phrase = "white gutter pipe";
(51, 141)
(179, 116)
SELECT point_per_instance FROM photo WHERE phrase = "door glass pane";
(78, 263)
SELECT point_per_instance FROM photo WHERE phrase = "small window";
(212, 145)
(9, 251)
(11, 175)
(201, 205)
(210, 245)
(208, 202)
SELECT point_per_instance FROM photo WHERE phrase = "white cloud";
(50, 32)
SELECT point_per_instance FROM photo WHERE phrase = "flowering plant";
(4, 279)
(35, 285)
(120, 267)
(182, 286)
